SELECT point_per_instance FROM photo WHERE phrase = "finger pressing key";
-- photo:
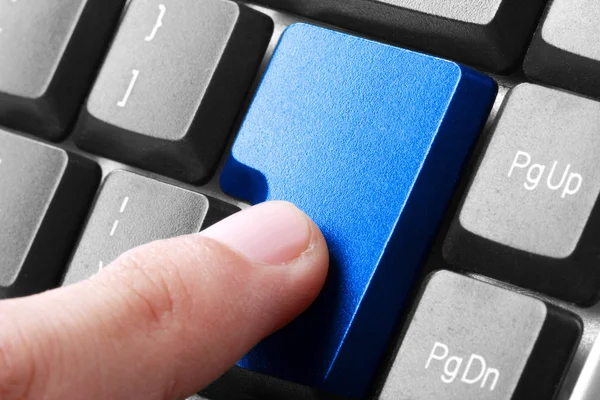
(165, 319)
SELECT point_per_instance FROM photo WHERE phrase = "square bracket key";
(172, 84)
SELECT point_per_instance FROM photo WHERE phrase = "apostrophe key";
(565, 51)
(473, 340)
(359, 135)
(530, 216)
(50, 51)
(44, 197)
(132, 210)
(492, 34)
(172, 84)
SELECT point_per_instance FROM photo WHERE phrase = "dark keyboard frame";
(236, 383)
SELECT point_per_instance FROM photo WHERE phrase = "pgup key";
(530, 216)
(472, 340)
(568, 183)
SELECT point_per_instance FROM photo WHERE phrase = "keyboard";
(446, 149)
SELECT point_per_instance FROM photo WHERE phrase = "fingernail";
(271, 233)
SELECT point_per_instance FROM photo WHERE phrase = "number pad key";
(172, 84)
(473, 340)
(133, 210)
(529, 216)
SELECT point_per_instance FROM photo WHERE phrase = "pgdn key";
(470, 371)
(470, 340)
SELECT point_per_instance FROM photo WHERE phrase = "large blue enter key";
(368, 140)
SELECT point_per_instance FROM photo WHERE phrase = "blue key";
(369, 140)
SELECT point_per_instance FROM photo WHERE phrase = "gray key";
(534, 193)
(472, 340)
(540, 178)
(172, 83)
(44, 197)
(565, 51)
(492, 34)
(132, 210)
(50, 50)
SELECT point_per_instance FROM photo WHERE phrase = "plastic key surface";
(44, 196)
(565, 51)
(473, 340)
(50, 50)
(531, 214)
(492, 34)
(172, 83)
(368, 139)
(133, 210)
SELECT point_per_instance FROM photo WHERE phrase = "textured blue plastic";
(369, 140)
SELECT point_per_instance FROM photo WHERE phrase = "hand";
(165, 319)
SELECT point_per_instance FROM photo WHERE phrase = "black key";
(565, 51)
(172, 84)
(44, 197)
(50, 50)
(530, 216)
(473, 340)
(132, 210)
(491, 34)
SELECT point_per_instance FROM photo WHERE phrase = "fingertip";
(273, 233)
(287, 247)
(290, 288)
(185, 309)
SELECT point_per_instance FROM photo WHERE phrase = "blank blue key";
(367, 139)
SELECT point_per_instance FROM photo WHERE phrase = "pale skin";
(166, 319)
